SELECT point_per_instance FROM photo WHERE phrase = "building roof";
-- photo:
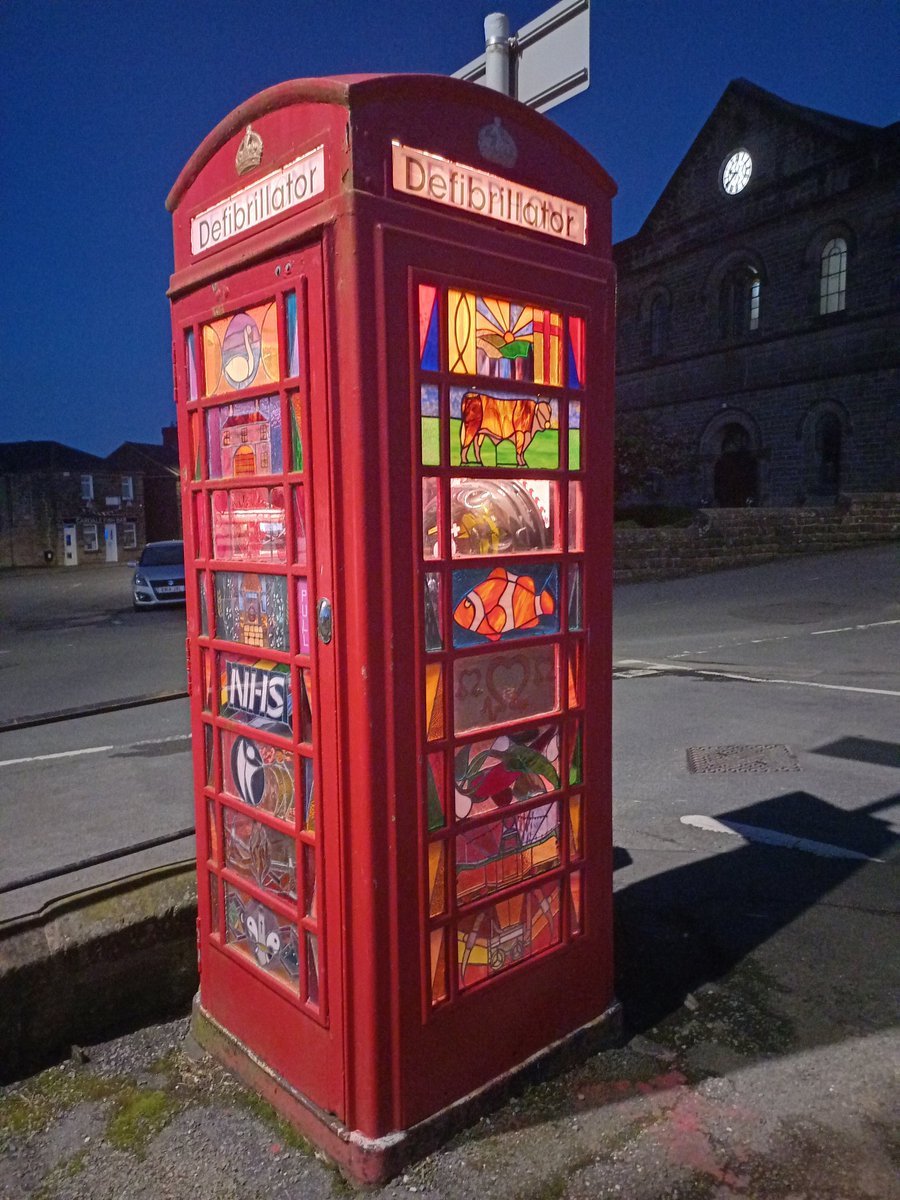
(148, 457)
(20, 458)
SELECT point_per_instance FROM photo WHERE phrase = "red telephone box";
(393, 349)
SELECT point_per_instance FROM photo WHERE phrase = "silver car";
(159, 575)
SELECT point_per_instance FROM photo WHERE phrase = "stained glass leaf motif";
(493, 773)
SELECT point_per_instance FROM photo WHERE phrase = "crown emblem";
(249, 154)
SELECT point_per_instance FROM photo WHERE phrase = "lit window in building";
(833, 279)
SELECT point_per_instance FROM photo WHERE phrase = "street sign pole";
(496, 53)
(546, 62)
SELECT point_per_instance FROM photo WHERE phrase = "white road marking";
(672, 668)
(14, 762)
(771, 837)
(782, 637)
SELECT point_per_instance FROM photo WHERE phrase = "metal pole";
(496, 52)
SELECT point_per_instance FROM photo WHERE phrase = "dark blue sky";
(103, 101)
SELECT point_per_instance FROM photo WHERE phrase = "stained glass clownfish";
(501, 603)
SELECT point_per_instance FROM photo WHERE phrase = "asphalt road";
(798, 657)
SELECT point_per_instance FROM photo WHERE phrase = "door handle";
(324, 620)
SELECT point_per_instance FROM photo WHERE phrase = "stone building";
(157, 465)
(61, 506)
(759, 308)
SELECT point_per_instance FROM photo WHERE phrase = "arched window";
(659, 326)
(827, 447)
(833, 278)
(739, 302)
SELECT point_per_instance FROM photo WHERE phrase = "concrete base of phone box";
(364, 1160)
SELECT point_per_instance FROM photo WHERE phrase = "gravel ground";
(712, 1104)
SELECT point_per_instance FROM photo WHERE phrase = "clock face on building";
(736, 172)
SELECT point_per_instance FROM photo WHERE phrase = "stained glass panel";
(547, 346)
(248, 525)
(304, 680)
(576, 765)
(294, 409)
(260, 854)
(434, 702)
(500, 935)
(190, 353)
(309, 799)
(194, 427)
(433, 620)
(576, 613)
(206, 680)
(492, 689)
(201, 526)
(267, 938)
(428, 327)
(504, 430)
(575, 902)
(303, 631)
(243, 439)
(500, 604)
(431, 425)
(576, 845)
(208, 751)
(501, 339)
(241, 351)
(257, 773)
(214, 902)
(499, 854)
(255, 692)
(574, 435)
(576, 515)
(300, 542)
(212, 832)
(293, 340)
(576, 352)
(438, 965)
(437, 878)
(252, 609)
(435, 792)
(576, 656)
(493, 773)
(502, 516)
(431, 525)
(312, 969)
(310, 882)
(204, 611)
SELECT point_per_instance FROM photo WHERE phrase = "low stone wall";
(738, 537)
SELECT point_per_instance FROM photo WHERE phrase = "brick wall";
(738, 537)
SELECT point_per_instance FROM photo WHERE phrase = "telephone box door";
(254, 428)
(511, 434)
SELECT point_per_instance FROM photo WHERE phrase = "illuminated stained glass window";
(267, 938)
(252, 609)
(244, 438)
(502, 780)
(241, 351)
(501, 339)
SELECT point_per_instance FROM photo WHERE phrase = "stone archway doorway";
(736, 470)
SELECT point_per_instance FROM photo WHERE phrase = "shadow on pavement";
(683, 928)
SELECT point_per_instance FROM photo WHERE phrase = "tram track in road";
(116, 747)
(100, 708)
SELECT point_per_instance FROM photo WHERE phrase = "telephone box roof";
(355, 91)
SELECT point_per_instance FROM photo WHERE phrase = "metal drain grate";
(712, 760)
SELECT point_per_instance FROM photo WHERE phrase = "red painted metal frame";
(379, 1056)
